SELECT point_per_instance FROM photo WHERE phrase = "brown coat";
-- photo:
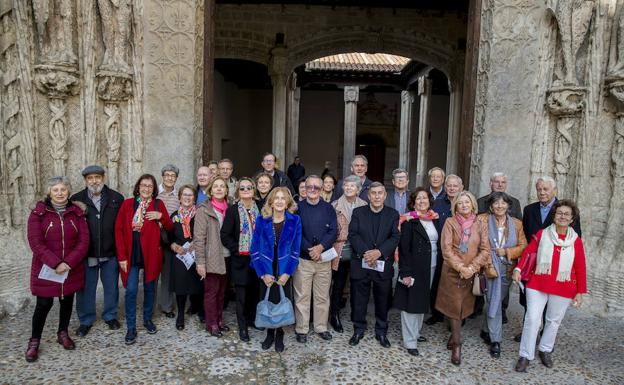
(207, 239)
(455, 298)
(513, 253)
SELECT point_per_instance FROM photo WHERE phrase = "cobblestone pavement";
(589, 350)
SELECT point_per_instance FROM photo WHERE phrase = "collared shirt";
(201, 196)
(170, 199)
(545, 210)
(96, 199)
(435, 194)
(400, 202)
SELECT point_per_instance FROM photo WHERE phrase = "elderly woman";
(419, 252)
(58, 236)
(185, 282)
(237, 234)
(344, 207)
(211, 255)
(507, 241)
(137, 237)
(264, 184)
(275, 249)
(554, 266)
(465, 249)
(329, 184)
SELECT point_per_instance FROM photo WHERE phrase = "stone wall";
(548, 102)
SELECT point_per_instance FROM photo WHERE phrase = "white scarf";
(546, 248)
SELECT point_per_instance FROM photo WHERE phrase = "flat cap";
(93, 169)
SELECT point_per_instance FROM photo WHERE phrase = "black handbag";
(164, 235)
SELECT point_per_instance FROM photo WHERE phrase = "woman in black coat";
(236, 236)
(419, 253)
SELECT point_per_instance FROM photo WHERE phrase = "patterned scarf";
(466, 224)
(247, 225)
(184, 216)
(429, 215)
(546, 248)
(139, 214)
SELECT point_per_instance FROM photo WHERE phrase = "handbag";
(479, 286)
(274, 315)
(490, 271)
(528, 268)
(164, 236)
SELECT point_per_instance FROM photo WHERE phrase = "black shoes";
(301, 338)
(150, 327)
(334, 321)
(485, 336)
(546, 359)
(355, 339)
(522, 365)
(224, 328)
(325, 335)
(169, 314)
(505, 320)
(268, 341)
(180, 324)
(243, 335)
(383, 340)
(495, 350)
(413, 352)
(422, 339)
(279, 341)
(131, 336)
(113, 324)
(518, 337)
(83, 330)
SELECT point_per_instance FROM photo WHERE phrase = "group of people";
(307, 238)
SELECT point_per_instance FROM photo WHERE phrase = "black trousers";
(42, 308)
(247, 297)
(339, 281)
(360, 293)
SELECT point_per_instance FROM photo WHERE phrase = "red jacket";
(56, 238)
(548, 283)
(150, 239)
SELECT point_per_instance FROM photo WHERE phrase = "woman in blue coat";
(274, 251)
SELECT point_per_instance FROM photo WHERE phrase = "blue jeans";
(108, 272)
(132, 287)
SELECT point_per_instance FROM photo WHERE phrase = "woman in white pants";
(554, 266)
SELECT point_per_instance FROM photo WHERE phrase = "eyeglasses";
(563, 215)
(313, 188)
(146, 185)
(245, 188)
(169, 176)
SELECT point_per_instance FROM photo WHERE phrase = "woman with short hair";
(264, 184)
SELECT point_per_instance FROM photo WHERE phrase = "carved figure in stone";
(57, 128)
(563, 146)
(113, 139)
(116, 25)
(53, 19)
(14, 173)
(617, 69)
(572, 18)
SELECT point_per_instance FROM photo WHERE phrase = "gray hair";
(398, 171)
(313, 176)
(170, 167)
(449, 176)
(436, 169)
(546, 179)
(498, 175)
(353, 179)
(359, 157)
(58, 180)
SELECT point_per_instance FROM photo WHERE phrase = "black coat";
(415, 262)
(242, 272)
(515, 210)
(101, 223)
(532, 220)
(182, 281)
(362, 238)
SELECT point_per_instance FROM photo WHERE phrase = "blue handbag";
(274, 315)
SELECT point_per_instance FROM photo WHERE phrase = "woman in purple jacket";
(59, 238)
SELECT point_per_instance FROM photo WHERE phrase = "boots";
(63, 339)
(334, 321)
(268, 341)
(279, 340)
(32, 353)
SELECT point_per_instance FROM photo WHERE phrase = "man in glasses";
(319, 230)
(268, 165)
(226, 169)
(397, 197)
(359, 167)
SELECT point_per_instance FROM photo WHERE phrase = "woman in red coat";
(59, 238)
(558, 279)
(137, 236)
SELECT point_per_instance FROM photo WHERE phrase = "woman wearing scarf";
(236, 234)
(419, 252)
(559, 280)
(344, 207)
(465, 249)
(185, 281)
(137, 238)
(210, 254)
(507, 241)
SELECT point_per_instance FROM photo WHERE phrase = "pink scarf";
(429, 215)
(465, 224)
(219, 206)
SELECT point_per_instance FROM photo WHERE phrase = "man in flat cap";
(102, 206)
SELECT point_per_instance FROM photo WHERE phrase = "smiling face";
(218, 189)
(169, 179)
(453, 187)
(313, 189)
(95, 183)
(328, 184)
(499, 208)
(264, 185)
(225, 170)
(400, 181)
(359, 167)
(245, 190)
(279, 202)
(59, 193)
(463, 206)
(436, 179)
(422, 204)
(498, 184)
(203, 177)
(302, 190)
(268, 163)
(350, 189)
(564, 216)
(146, 188)
(187, 198)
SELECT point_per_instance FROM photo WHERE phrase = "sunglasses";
(245, 188)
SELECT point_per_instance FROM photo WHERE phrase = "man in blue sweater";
(318, 233)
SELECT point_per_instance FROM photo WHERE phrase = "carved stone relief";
(116, 18)
(54, 22)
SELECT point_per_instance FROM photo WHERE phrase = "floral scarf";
(184, 217)
(247, 225)
(429, 215)
(139, 214)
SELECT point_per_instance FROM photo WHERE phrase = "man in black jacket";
(279, 177)
(498, 183)
(102, 207)
(374, 235)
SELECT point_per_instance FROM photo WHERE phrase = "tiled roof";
(359, 62)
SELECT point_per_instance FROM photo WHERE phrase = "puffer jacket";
(56, 238)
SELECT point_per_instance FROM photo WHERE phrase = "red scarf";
(219, 206)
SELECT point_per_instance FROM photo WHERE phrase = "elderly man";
(203, 180)
(279, 178)
(359, 167)
(319, 229)
(168, 194)
(102, 207)
(398, 196)
(226, 169)
(498, 183)
(373, 235)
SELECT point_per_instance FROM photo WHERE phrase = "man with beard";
(102, 207)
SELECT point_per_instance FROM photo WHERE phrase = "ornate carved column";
(424, 91)
(279, 80)
(351, 97)
(405, 129)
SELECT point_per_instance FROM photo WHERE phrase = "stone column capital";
(566, 101)
(57, 80)
(351, 94)
(114, 86)
(615, 86)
